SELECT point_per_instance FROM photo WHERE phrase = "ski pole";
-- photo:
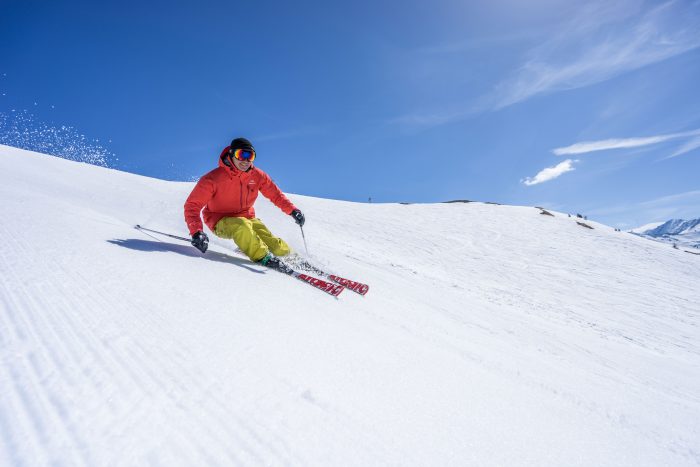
(304, 237)
(138, 227)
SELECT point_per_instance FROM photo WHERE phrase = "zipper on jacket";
(246, 194)
(241, 200)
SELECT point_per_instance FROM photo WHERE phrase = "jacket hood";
(223, 154)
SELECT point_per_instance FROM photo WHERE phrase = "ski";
(357, 287)
(328, 287)
(325, 286)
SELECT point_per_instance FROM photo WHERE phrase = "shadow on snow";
(153, 246)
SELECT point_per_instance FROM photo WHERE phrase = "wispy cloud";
(601, 42)
(692, 197)
(690, 145)
(681, 205)
(623, 143)
(550, 173)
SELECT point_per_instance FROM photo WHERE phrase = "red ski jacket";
(228, 192)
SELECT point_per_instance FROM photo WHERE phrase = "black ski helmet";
(242, 143)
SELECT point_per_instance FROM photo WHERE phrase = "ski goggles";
(244, 155)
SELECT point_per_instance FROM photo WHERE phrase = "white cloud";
(622, 143)
(600, 43)
(591, 146)
(550, 173)
(690, 145)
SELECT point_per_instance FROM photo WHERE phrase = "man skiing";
(227, 195)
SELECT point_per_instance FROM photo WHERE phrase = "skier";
(227, 195)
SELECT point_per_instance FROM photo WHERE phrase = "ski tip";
(360, 289)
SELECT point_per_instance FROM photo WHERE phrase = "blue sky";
(589, 107)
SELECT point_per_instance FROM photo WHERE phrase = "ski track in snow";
(491, 335)
(109, 365)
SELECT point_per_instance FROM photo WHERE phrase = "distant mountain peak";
(675, 227)
(679, 231)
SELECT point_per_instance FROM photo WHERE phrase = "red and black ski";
(357, 287)
(328, 287)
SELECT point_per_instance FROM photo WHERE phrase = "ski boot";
(273, 262)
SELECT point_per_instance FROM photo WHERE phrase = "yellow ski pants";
(252, 237)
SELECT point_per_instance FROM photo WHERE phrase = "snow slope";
(491, 335)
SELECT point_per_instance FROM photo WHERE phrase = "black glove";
(298, 217)
(200, 241)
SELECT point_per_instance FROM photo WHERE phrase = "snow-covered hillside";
(491, 335)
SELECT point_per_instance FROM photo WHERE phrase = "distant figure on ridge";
(227, 195)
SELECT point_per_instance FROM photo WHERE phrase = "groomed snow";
(491, 335)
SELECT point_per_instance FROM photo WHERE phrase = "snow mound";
(491, 335)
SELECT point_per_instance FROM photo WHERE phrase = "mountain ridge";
(679, 232)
